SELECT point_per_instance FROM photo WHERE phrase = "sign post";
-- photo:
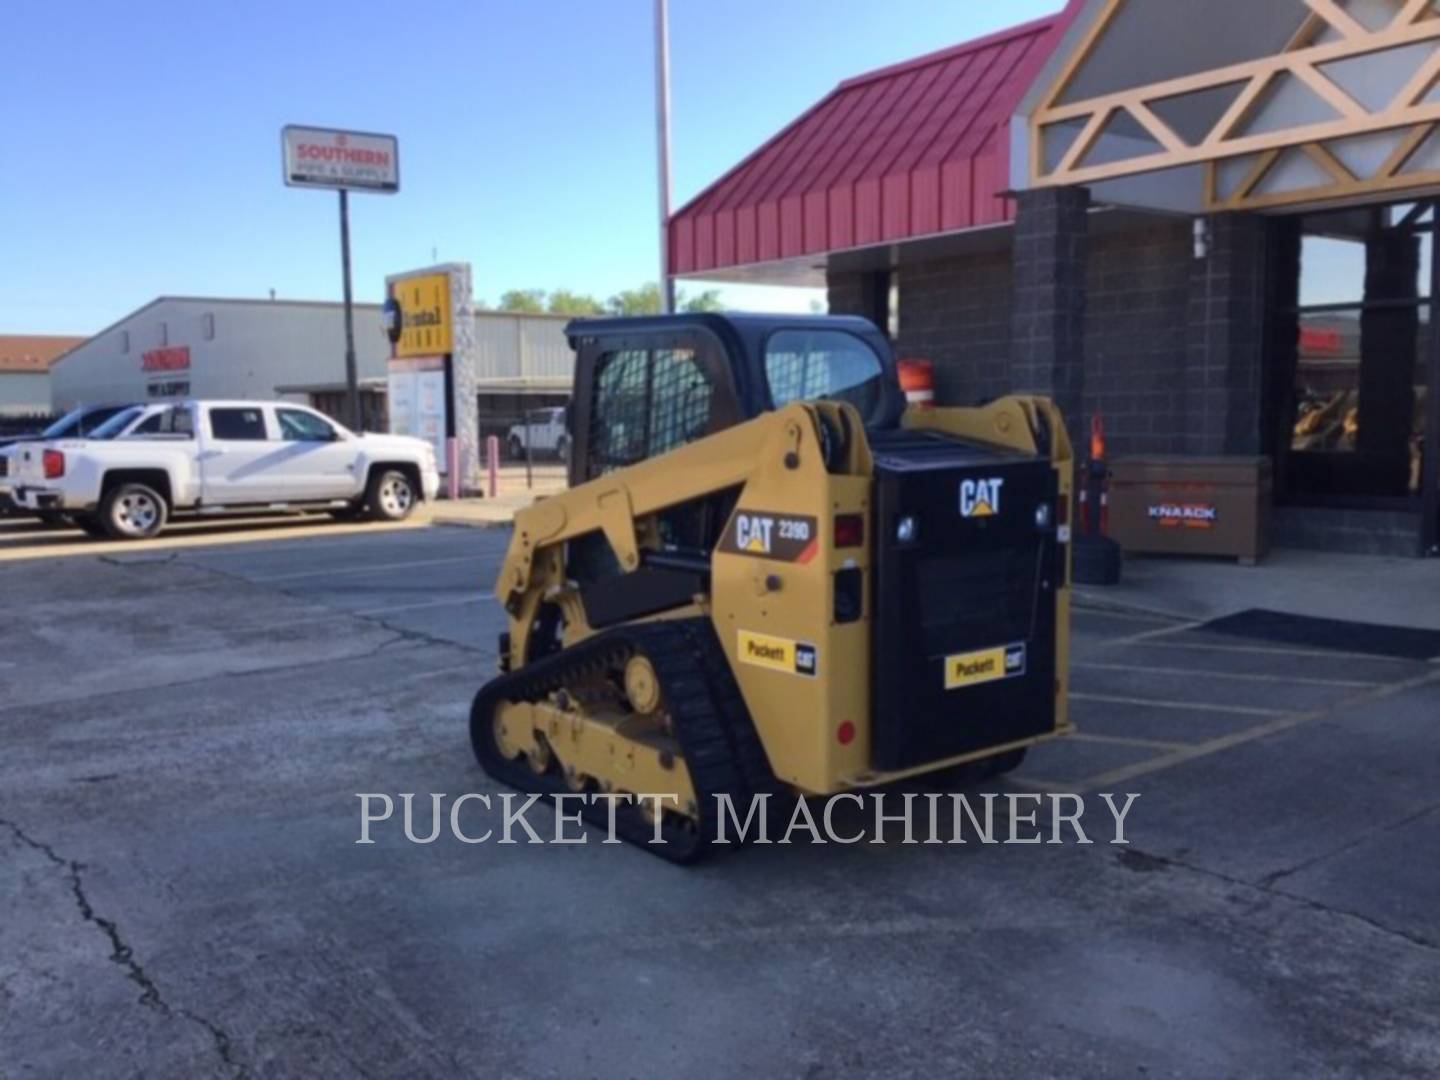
(343, 161)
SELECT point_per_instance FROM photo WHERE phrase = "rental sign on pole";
(343, 161)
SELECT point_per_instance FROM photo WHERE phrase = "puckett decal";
(1185, 515)
(779, 654)
(986, 666)
(782, 537)
(980, 498)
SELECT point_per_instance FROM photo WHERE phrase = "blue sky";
(141, 139)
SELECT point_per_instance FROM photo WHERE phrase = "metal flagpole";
(352, 383)
(662, 122)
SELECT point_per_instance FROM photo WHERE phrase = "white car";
(544, 434)
(149, 461)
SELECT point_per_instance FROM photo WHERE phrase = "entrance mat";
(1398, 642)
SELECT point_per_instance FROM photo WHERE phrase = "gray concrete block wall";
(1355, 532)
(956, 313)
(1136, 337)
(1047, 318)
(1224, 374)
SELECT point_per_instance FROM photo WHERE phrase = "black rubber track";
(716, 736)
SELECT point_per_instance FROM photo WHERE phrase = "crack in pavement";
(1138, 861)
(121, 953)
(1270, 879)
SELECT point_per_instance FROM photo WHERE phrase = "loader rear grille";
(976, 598)
(961, 589)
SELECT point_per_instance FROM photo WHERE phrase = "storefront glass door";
(1357, 400)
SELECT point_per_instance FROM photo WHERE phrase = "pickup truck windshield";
(825, 365)
(117, 423)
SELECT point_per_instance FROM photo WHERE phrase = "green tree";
(642, 301)
(646, 301)
(565, 302)
(525, 301)
(709, 300)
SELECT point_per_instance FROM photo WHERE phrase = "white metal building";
(185, 346)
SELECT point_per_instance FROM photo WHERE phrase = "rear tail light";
(54, 462)
(849, 530)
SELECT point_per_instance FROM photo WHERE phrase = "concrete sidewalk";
(1362, 588)
(484, 512)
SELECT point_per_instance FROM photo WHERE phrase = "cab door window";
(297, 425)
(646, 403)
(238, 424)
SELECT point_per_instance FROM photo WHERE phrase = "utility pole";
(352, 379)
(662, 123)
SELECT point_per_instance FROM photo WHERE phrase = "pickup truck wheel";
(516, 449)
(391, 496)
(133, 512)
(562, 448)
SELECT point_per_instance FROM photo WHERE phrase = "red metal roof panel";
(907, 151)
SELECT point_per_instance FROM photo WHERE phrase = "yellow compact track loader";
(770, 577)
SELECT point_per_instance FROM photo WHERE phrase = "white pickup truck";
(150, 461)
(543, 432)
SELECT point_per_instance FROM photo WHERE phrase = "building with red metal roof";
(1151, 210)
(908, 151)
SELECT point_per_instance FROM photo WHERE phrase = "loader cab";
(645, 386)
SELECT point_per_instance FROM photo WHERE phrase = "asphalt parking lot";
(185, 732)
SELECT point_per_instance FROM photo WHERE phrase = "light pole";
(662, 124)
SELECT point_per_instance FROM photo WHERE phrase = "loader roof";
(741, 322)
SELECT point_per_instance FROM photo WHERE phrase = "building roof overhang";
(1233, 105)
(912, 152)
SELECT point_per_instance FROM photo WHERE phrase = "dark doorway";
(1357, 360)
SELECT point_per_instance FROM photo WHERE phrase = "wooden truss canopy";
(1330, 34)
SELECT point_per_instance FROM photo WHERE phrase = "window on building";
(207, 325)
(297, 425)
(1356, 420)
(125, 341)
(163, 335)
(239, 424)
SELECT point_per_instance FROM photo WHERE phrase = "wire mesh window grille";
(680, 410)
(646, 403)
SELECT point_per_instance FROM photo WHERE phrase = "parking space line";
(232, 549)
(1259, 731)
(423, 606)
(1267, 650)
(1187, 706)
(366, 569)
(1354, 684)
(1128, 740)
(1133, 616)
(1151, 635)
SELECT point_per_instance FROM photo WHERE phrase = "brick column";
(1047, 340)
(863, 293)
(1225, 339)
